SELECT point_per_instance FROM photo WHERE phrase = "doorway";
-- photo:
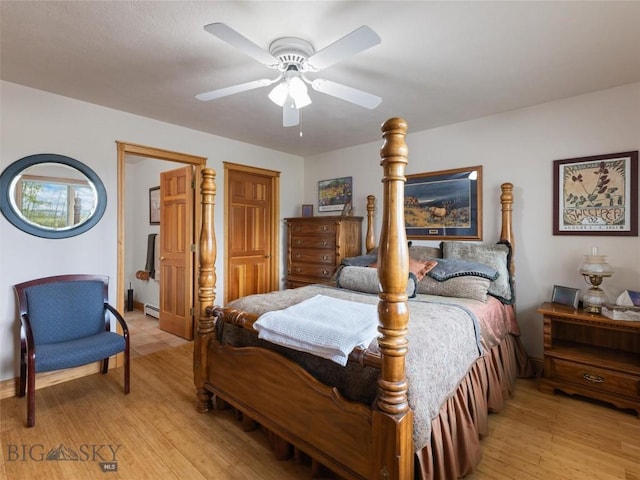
(129, 149)
(252, 234)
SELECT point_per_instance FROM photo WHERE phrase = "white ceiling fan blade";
(352, 43)
(290, 113)
(349, 94)
(241, 87)
(242, 43)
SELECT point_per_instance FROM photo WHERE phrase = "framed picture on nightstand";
(565, 296)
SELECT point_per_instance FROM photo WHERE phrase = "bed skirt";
(463, 420)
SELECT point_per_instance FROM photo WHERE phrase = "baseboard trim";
(9, 388)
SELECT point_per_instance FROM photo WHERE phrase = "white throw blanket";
(324, 326)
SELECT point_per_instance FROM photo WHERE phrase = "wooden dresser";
(317, 245)
(591, 355)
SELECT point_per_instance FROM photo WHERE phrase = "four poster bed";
(411, 403)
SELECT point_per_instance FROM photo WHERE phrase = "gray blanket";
(442, 346)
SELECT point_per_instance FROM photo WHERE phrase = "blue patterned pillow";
(448, 268)
(360, 260)
(365, 280)
(497, 255)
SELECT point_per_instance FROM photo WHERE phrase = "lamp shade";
(292, 86)
(298, 91)
(595, 264)
(279, 93)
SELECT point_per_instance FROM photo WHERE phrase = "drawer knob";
(325, 228)
(593, 378)
(325, 272)
(325, 257)
(324, 243)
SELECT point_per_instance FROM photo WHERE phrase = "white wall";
(34, 121)
(518, 147)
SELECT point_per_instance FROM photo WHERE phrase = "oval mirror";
(51, 196)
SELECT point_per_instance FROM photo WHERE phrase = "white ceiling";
(439, 62)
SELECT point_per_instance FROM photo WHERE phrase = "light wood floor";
(159, 435)
(146, 336)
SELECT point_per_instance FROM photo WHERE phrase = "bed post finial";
(506, 233)
(370, 241)
(206, 288)
(393, 416)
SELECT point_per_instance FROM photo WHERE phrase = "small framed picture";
(154, 206)
(307, 210)
(565, 296)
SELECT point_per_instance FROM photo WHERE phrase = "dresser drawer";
(328, 228)
(313, 241)
(321, 272)
(323, 257)
(596, 378)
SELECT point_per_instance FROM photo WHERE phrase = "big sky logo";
(104, 455)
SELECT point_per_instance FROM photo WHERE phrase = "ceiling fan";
(293, 58)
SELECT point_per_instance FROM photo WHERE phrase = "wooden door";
(177, 251)
(252, 231)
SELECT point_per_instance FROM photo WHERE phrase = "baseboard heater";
(151, 310)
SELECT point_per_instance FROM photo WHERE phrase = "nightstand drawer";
(594, 377)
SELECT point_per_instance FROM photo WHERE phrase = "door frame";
(124, 149)
(274, 280)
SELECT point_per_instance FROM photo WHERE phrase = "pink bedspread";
(496, 319)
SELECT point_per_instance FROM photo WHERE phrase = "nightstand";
(591, 355)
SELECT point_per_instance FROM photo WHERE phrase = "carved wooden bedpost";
(393, 419)
(206, 290)
(370, 241)
(506, 234)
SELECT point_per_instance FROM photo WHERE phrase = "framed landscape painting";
(334, 194)
(444, 205)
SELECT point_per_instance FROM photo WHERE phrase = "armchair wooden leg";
(31, 394)
(23, 375)
(126, 371)
(105, 365)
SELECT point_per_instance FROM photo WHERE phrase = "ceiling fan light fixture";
(298, 91)
(292, 57)
(279, 94)
(302, 100)
(291, 87)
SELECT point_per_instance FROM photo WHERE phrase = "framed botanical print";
(596, 195)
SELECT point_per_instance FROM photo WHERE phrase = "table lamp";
(594, 268)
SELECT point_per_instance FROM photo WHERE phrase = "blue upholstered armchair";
(65, 322)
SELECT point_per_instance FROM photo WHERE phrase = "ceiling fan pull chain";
(300, 124)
